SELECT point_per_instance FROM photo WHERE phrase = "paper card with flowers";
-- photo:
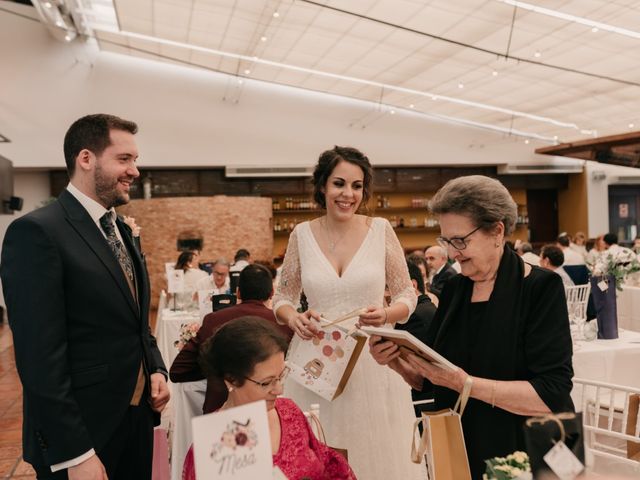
(324, 364)
(233, 444)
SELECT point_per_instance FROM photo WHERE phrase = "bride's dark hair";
(328, 161)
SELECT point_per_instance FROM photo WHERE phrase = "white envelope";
(233, 444)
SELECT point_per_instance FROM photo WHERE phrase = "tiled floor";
(11, 463)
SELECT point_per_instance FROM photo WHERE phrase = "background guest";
(571, 257)
(525, 250)
(552, 258)
(241, 259)
(421, 263)
(503, 322)
(247, 356)
(439, 269)
(255, 290)
(579, 243)
(611, 243)
(218, 282)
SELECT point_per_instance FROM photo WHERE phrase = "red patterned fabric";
(300, 455)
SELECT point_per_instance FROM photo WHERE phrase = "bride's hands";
(305, 325)
(373, 317)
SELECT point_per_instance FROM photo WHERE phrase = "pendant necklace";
(333, 244)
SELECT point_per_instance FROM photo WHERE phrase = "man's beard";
(107, 191)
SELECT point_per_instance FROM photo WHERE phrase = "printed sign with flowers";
(187, 332)
(513, 466)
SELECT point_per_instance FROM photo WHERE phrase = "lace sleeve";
(397, 273)
(290, 286)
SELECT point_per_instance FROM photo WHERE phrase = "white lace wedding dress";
(373, 417)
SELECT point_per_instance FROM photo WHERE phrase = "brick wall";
(225, 224)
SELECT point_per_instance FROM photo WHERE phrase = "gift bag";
(324, 364)
(546, 438)
(442, 441)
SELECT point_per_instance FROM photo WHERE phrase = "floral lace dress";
(373, 417)
(300, 454)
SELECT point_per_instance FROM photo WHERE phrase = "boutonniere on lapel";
(130, 222)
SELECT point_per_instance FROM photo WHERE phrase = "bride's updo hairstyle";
(328, 161)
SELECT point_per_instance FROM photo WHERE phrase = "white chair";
(610, 427)
(577, 300)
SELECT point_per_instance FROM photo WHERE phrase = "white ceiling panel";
(382, 48)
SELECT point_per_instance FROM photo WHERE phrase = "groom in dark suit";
(77, 296)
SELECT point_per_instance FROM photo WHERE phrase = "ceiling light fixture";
(461, 85)
(276, 14)
(526, 141)
(247, 71)
(411, 105)
(359, 81)
(572, 18)
(494, 73)
(58, 19)
(392, 112)
(263, 39)
(595, 30)
(537, 54)
(631, 125)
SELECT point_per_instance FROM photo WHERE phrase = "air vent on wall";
(631, 179)
(254, 171)
(533, 169)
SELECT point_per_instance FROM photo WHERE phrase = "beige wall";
(573, 209)
(225, 223)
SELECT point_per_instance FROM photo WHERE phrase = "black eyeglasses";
(271, 384)
(459, 243)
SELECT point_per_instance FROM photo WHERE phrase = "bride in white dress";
(342, 262)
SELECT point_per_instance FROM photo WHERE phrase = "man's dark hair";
(553, 254)
(92, 132)
(241, 254)
(564, 240)
(416, 274)
(238, 346)
(610, 239)
(255, 283)
(327, 163)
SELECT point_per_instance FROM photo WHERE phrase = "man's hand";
(159, 392)
(90, 469)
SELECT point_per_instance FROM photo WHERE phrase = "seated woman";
(248, 354)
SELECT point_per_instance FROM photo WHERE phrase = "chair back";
(577, 300)
(578, 273)
(610, 424)
(222, 301)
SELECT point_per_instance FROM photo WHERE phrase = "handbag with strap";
(316, 421)
(442, 441)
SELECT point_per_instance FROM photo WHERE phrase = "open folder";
(407, 342)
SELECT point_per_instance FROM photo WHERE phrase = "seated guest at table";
(255, 289)
(571, 257)
(525, 250)
(247, 357)
(192, 274)
(611, 243)
(552, 258)
(503, 322)
(241, 259)
(636, 245)
(439, 269)
(218, 282)
(579, 243)
(419, 322)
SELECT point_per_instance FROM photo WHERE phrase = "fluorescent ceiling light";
(572, 18)
(360, 81)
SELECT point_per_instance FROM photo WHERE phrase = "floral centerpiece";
(187, 332)
(513, 466)
(618, 262)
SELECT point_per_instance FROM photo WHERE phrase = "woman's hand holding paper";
(435, 374)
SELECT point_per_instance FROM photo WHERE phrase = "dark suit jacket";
(185, 367)
(79, 334)
(437, 284)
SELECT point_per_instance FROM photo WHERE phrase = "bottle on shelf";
(401, 223)
(277, 227)
(393, 221)
(292, 224)
(379, 204)
(285, 225)
(413, 223)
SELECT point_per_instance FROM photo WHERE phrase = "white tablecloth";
(629, 308)
(168, 331)
(186, 398)
(612, 361)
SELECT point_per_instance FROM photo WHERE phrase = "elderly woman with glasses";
(248, 355)
(502, 321)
